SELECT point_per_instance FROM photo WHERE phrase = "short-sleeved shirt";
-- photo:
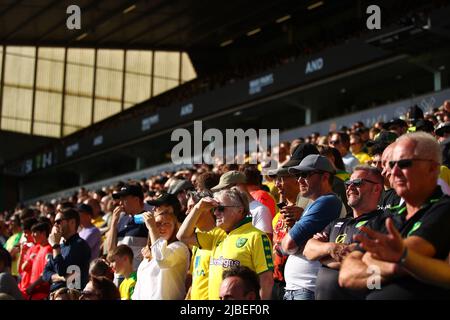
(266, 199)
(261, 216)
(133, 235)
(126, 288)
(341, 231)
(25, 273)
(43, 255)
(243, 246)
(432, 223)
(299, 272)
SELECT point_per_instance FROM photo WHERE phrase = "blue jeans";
(301, 294)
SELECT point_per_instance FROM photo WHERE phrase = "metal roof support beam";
(137, 19)
(22, 24)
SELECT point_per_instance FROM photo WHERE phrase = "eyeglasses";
(221, 208)
(358, 182)
(405, 163)
(307, 174)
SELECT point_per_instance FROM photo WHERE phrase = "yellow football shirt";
(126, 288)
(243, 246)
(200, 269)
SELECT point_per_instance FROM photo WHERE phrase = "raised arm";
(111, 234)
(186, 233)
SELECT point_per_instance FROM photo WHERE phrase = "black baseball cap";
(129, 190)
(165, 199)
(169, 200)
(180, 185)
(302, 150)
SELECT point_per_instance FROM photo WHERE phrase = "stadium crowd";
(360, 213)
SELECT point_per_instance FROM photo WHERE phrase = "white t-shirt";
(300, 273)
(163, 277)
(261, 217)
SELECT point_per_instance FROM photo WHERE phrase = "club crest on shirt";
(241, 242)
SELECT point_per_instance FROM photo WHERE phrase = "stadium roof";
(142, 24)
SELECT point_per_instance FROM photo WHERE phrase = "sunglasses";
(221, 208)
(405, 163)
(307, 174)
(358, 182)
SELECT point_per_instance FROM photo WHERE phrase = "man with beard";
(423, 222)
(316, 176)
(70, 261)
(336, 240)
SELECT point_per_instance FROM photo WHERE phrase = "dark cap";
(165, 199)
(180, 185)
(85, 208)
(303, 150)
(395, 122)
(313, 162)
(129, 190)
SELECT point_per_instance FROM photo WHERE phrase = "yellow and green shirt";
(243, 246)
(200, 268)
(126, 288)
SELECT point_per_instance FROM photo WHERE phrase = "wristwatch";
(402, 259)
(56, 246)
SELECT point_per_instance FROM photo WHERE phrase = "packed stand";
(360, 213)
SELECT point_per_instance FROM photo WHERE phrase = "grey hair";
(425, 145)
(372, 171)
(236, 196)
